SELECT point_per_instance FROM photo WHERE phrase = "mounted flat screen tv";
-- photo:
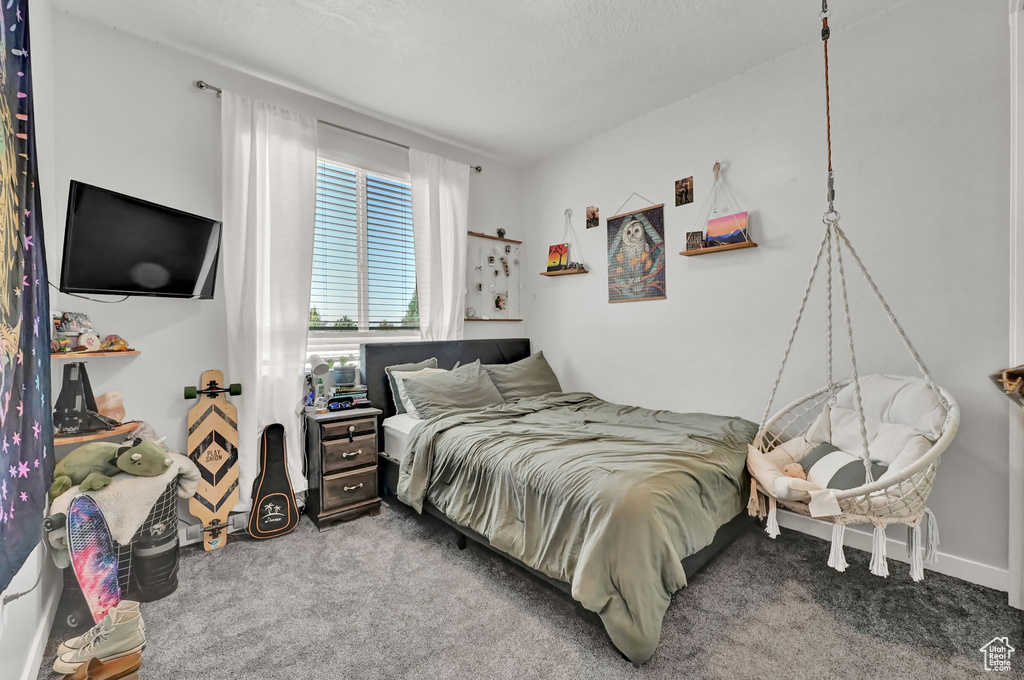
(119, 245)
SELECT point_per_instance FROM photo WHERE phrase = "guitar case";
(274, 512)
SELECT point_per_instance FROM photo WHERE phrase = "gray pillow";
(465, 387)
(426, 363)
(844, 470)
(529, 377)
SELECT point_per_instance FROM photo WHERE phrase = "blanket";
(125, 503)
(608, 498)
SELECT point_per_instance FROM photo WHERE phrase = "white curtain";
(440, 218)
(269, 195)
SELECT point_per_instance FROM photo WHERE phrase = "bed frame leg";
(460, 541)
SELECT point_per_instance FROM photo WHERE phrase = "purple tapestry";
(26, 431)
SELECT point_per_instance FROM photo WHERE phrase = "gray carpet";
(391, 597)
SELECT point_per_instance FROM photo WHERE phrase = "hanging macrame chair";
(896, 426)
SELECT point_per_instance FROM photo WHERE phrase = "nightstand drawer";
(348, 427)
(342, 454)
(349, 487)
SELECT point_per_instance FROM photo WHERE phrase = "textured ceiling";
(519, 79)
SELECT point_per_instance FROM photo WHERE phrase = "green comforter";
(608, 498)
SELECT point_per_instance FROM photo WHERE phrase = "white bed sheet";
(396, 433)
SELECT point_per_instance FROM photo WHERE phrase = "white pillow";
(402, 396)
(899, 400)
(887, 442)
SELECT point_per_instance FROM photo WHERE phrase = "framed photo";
(694, 240)
(558, 257)
(636, 255)
(593, 217)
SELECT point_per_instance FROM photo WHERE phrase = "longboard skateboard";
(93, 556)
(213, 447)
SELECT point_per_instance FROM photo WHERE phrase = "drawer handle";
(351, 429)
(352, 488)
(352, 454)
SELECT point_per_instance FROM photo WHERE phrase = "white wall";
(129, 119)
(25, 623)
(920, 104)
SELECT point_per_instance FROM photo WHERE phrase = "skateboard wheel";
(54, 522)
(191, 392)
(234, 389)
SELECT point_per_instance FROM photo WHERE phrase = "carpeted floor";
(391, 597)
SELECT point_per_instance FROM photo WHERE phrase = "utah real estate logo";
(997, 654)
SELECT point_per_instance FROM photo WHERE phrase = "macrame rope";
(869, 478)
(792, 335)
(569, 236)
(828, 315)
(895, 322)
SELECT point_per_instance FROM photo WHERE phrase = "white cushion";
(899, 400)
(767, 469)
(402, 395)
(886, 441)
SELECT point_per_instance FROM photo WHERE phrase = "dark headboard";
(375, 356)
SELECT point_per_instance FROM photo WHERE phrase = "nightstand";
(341, 465)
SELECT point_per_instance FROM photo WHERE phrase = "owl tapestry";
(26, 432)
(636, 255)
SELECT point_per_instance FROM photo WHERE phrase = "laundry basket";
(147, 566)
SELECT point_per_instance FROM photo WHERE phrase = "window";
(364, 269)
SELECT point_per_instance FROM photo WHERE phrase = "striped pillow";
(828, 467)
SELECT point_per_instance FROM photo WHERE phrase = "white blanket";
(125, 503)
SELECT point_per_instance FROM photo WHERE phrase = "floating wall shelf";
(495, 238)
(565, 272)
(123, 428)
(718, 249)
(83, 355)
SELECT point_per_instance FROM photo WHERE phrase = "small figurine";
(501, 233)
(114, 343)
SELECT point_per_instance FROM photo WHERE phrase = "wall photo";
(684, 191)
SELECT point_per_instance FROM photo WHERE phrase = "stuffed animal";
(794, 470)
(92, 465)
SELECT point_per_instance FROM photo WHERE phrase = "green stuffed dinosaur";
(91, 466)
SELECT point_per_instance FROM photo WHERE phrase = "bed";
(615, 505)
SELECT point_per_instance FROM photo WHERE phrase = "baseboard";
(42, 633)
(28, 620)
(856, 537)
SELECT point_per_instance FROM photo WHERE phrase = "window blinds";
(363, 287)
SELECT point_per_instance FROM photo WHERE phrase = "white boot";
(114, 639)
(123, 607)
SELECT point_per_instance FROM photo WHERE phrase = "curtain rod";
(203, 85)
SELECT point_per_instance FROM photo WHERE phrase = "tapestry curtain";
(440, 219)
(269, 189)
(26, 429)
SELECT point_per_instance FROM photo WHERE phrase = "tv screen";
(118, 245)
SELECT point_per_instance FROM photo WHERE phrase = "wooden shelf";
(718, 249)
(79, 355)
(565, 272)
(123, 428)
(479, 319)
(493, 238)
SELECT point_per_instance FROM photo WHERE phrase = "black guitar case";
(274, 512)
